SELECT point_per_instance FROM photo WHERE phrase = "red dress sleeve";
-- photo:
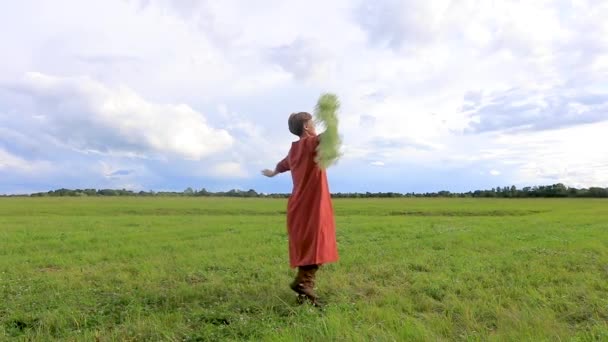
(283, 165)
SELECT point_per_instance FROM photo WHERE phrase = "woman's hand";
(269, 173)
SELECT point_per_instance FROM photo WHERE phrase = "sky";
(436, 94)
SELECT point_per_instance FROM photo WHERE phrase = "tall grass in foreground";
(197, 269)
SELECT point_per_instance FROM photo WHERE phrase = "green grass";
(194, 269)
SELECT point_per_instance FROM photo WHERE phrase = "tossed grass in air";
(328, 150)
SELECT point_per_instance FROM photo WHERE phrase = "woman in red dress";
(310, 217)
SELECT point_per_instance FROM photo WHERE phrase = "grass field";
(197, 269)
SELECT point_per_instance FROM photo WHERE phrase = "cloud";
(228, 170)
(367, 121)
(111, 172)
(121, 173)
(530, 109)
(570, 155)
(377, 163)
(396, 23)
(108, 59)
(10, 162)
(495, 173)
(402, 143)
(523, 28)
(179, 93)
(87, 115)
(302, 58)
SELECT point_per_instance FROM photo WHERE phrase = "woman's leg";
(304, 283)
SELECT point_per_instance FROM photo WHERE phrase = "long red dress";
(310, 216)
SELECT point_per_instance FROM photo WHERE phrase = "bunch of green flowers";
(328, 150)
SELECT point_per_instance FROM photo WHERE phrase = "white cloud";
(413, 78)
(228, 170)
(12, 163)
(377, 163)
(538, 109)
(8, 160)
(495, 173)
(574, 156)
(87, 115)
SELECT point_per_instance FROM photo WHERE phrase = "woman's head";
(301, 124)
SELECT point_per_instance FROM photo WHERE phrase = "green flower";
(328, 150)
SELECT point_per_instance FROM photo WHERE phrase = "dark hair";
(296, 122)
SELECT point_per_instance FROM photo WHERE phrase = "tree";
(598, 192)
(555, 190)
(251, 193)
(202, 192)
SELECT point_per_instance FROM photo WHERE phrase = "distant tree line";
(555, 190)
(123, 192)
(546, 191)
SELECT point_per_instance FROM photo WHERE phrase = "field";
(198, 269)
